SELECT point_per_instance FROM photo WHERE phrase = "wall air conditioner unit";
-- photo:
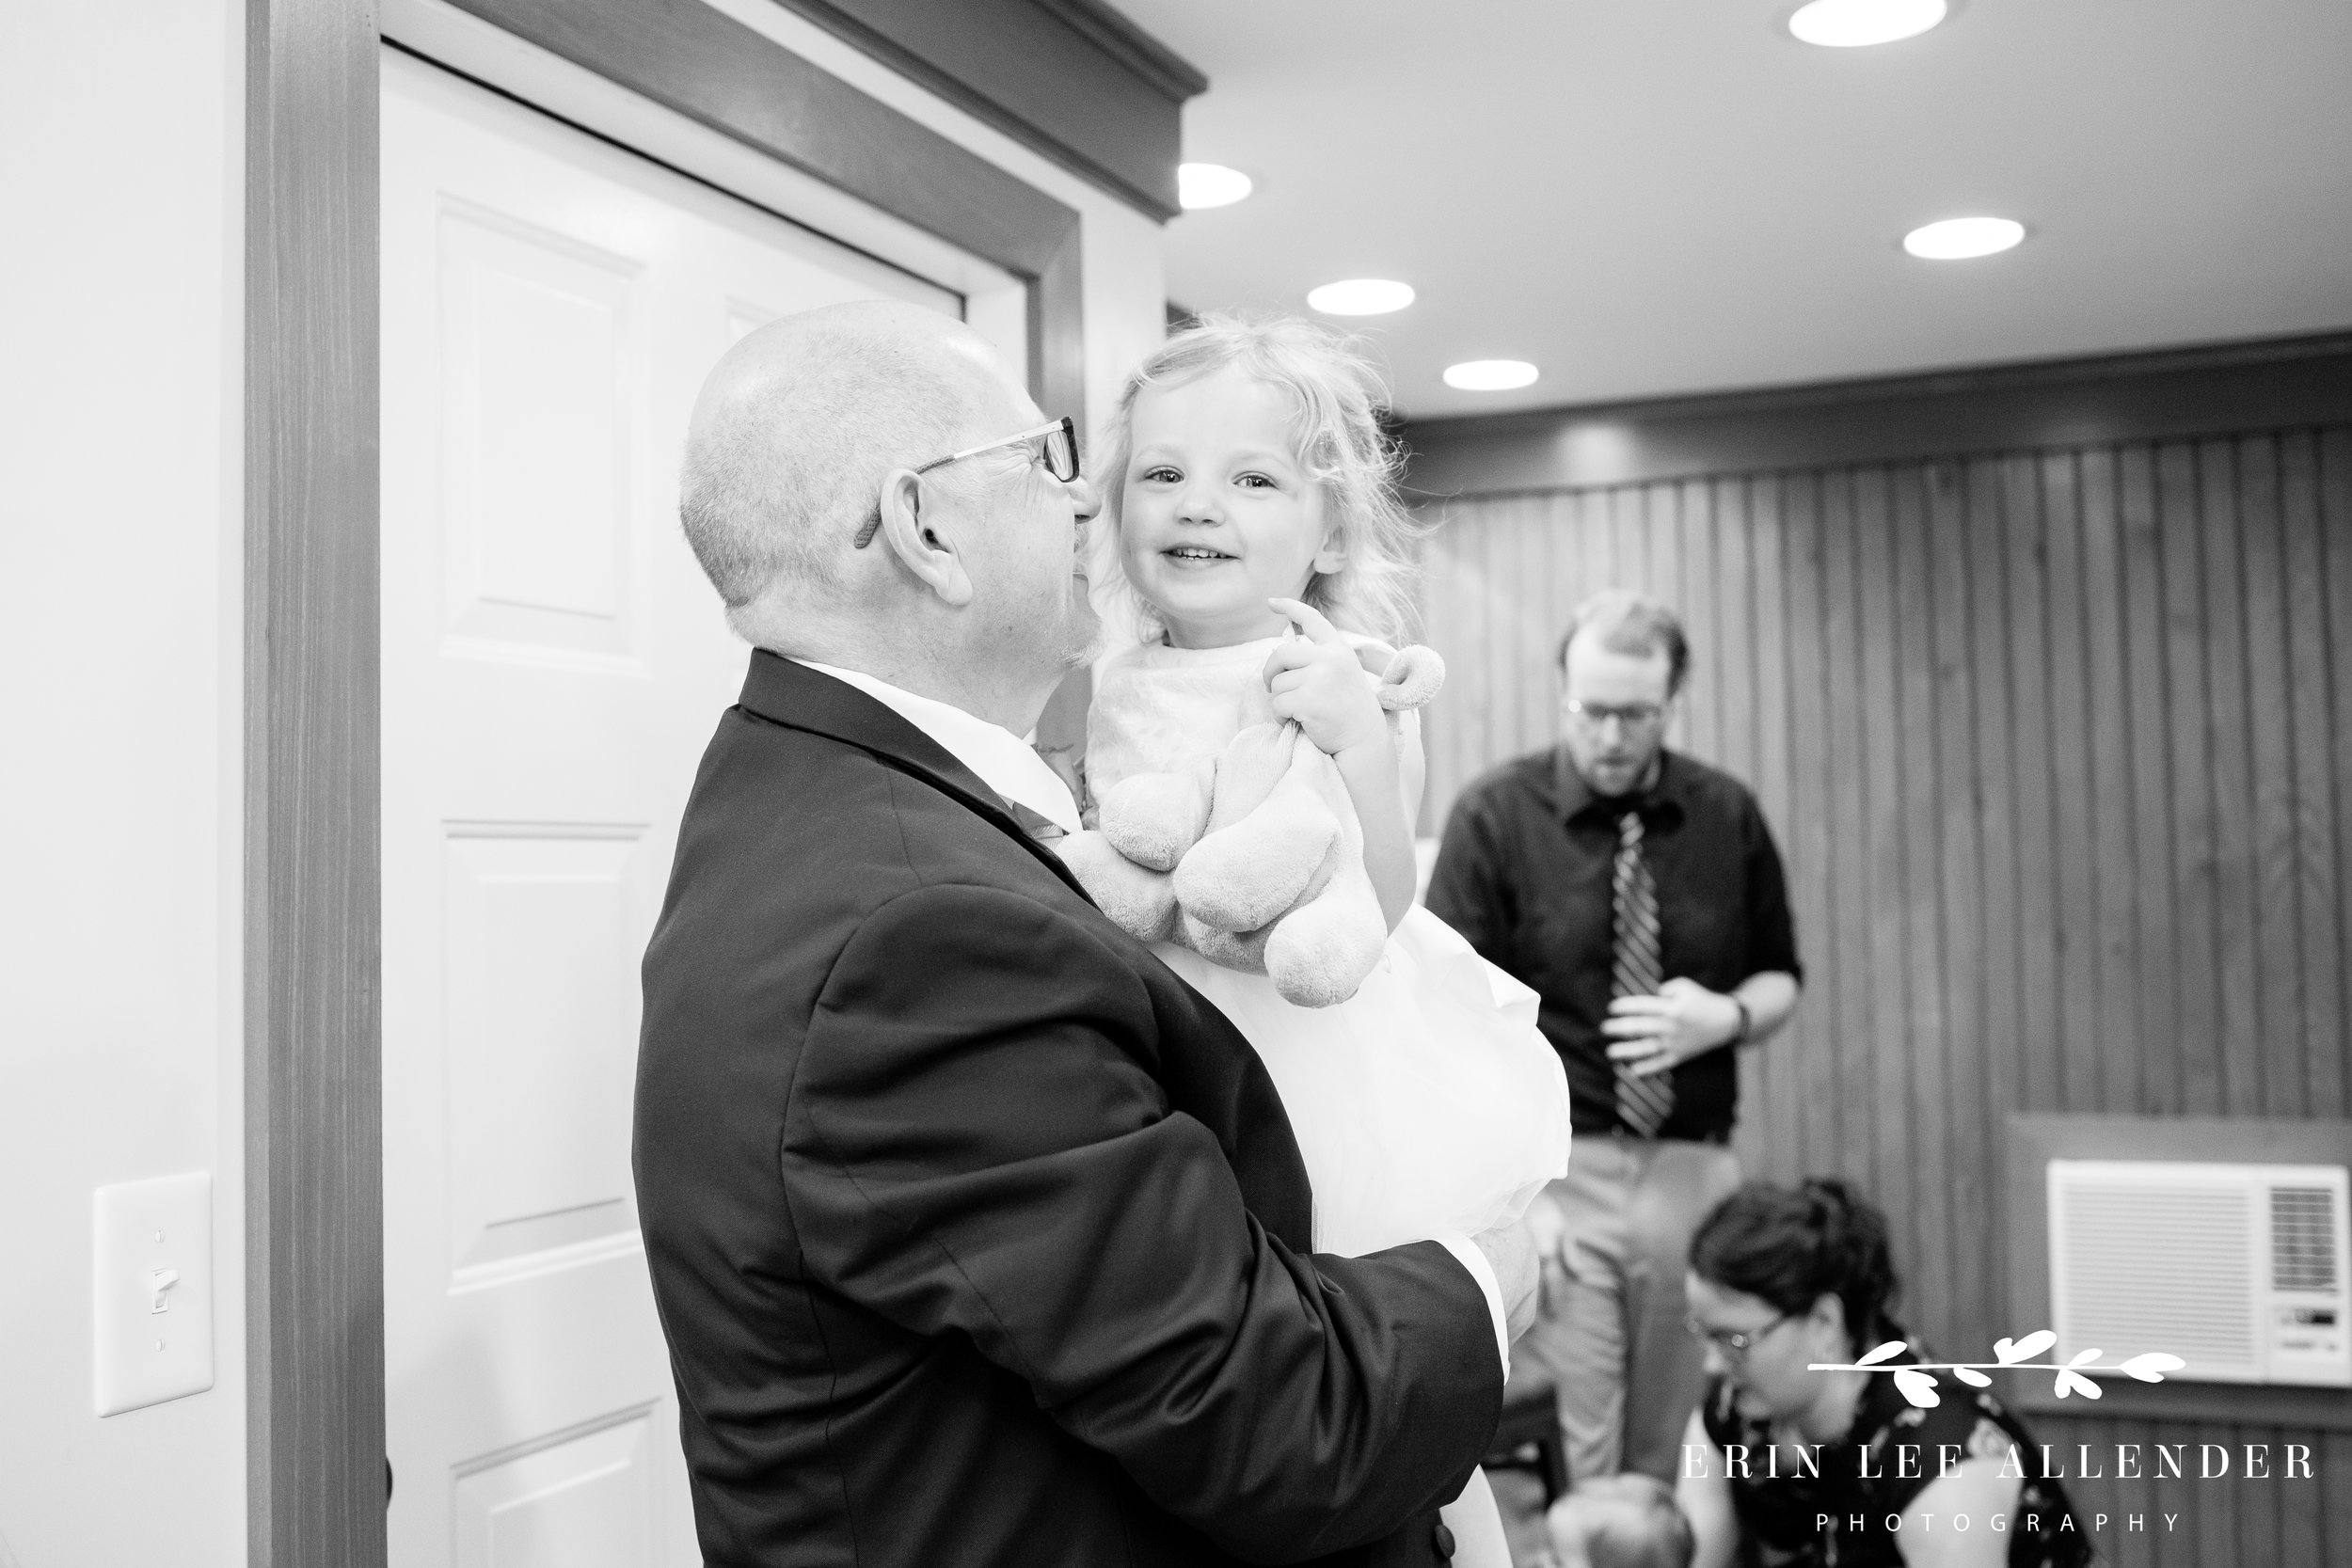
(2239, 1270)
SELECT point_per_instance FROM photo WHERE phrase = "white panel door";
(552, 665)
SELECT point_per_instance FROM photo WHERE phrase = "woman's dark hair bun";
(1792, 1246)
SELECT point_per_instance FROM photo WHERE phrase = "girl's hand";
(1319, 683)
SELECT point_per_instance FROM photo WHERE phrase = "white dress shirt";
(1010, 767)
(1001, 759)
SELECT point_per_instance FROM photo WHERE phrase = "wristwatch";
(1747, 1021)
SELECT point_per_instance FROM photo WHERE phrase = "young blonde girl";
(1252, 542)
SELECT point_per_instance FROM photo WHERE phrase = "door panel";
(537, 431)
(589, 1501)
(538, 968)
(552, 665)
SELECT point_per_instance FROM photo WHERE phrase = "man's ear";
(908, 534)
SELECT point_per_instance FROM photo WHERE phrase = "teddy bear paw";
(1411, 678)
(1241, 877)
(1152, 818)
(1319, 953)
(1240, 950)
(1139, 901)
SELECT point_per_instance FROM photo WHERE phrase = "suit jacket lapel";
(777, 690)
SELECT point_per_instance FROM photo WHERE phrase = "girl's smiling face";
(1216, 516)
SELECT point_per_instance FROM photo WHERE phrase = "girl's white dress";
(1427, 1104)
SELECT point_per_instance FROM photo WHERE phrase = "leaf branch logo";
(2013, 1355)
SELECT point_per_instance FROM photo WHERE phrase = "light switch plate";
(151, 1286)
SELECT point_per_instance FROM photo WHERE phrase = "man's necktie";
(1644, 1103)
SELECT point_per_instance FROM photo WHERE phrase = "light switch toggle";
(159, 1282)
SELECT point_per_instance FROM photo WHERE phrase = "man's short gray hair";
(778, 483)
(1631, 623)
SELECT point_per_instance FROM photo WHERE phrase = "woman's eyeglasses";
(1734, 1343)
(1058, 448)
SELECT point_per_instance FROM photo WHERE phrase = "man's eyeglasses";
(1734, 1343)
(1058, 448)
(1633, 716)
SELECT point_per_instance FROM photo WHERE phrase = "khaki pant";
(1611, 1334)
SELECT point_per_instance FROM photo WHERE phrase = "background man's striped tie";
(1643, 1103)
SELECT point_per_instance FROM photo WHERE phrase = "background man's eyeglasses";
(1058, 448)
(1633, 716)
(1734, 1343)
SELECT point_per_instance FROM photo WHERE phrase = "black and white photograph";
(1170, 783)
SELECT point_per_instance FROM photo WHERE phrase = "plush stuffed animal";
(1250, 853)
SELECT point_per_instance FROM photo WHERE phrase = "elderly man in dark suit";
(978, 1237)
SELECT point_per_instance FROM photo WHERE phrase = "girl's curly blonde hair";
(1337, 398)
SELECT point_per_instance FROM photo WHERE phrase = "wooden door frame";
(314, 1101)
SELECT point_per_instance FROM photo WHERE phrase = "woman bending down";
(1782, 1465)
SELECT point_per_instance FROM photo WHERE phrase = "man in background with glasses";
(1640, 893)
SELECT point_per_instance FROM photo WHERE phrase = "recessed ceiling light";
(1360, 296)
(1210, 185)
(1959, 239)
(1490, 375)
(1857, 23)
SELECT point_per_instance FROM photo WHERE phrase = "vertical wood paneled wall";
(2057, 745)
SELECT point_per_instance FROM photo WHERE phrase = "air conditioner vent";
(2201, 1309)
(2235, 1269)
(2302, 1239)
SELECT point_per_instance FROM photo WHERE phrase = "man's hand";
(1656, 1034)
(1320, 683)
(1511, 1253)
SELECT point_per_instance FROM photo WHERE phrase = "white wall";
(120, 168)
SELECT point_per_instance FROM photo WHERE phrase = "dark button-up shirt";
(1526, 873)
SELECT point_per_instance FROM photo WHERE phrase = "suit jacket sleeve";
(976, 1145)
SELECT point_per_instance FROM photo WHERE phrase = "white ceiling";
(1655, 197)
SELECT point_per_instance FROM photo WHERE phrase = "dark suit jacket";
(978, 1237)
